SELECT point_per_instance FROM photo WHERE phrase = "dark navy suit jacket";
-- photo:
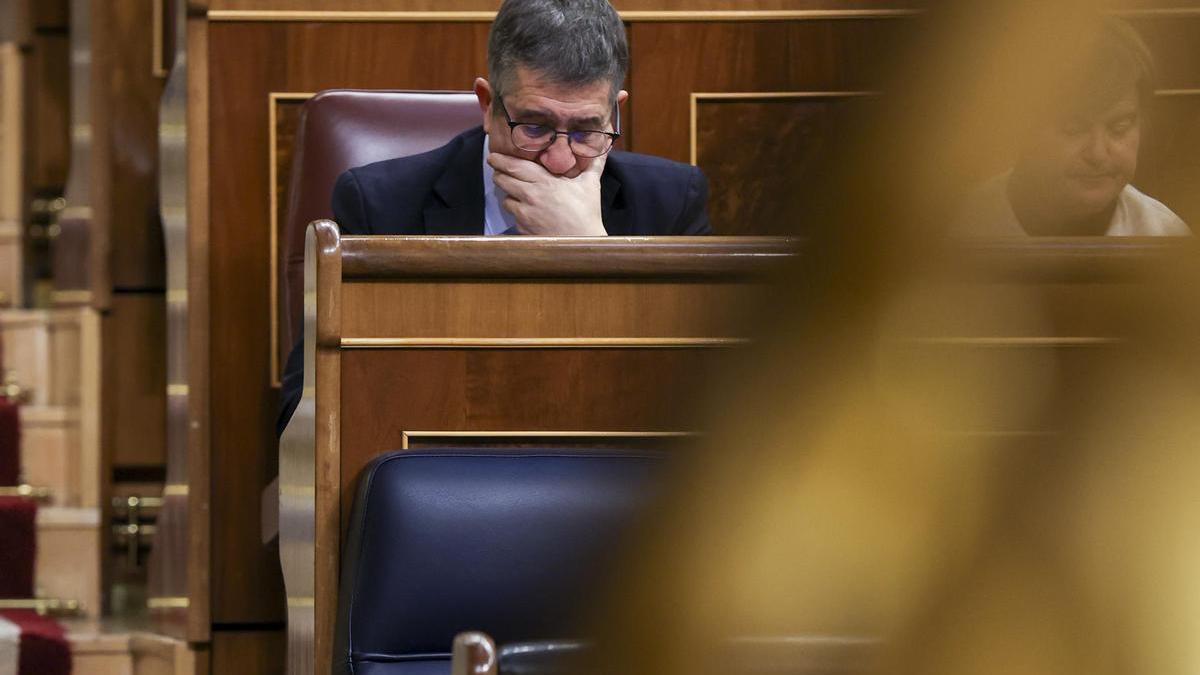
(440, 192)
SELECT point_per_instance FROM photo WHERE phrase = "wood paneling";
(135, 339)
(538, 309)
(671, 61)
(492, 5)
(757, 150)
(510, 390)
(51, 78)
(248, 652)
(249, 61)
(132, 97)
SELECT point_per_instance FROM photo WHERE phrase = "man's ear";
(622, 96)
(483, 92)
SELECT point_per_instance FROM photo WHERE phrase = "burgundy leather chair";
(341, 129)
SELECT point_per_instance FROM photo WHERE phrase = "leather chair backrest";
(339, 130)
(512, 543)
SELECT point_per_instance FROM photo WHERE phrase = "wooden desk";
(442, 342)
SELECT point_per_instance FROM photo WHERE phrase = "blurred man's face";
(1084, 160)
(532, 99)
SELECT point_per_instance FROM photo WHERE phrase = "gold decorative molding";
(175, 490)
(167, 603)
(43, 606)
(405, 436)
(539, 343)
(71, 297)
(630, 16)
(1023, 341)
(25, 491)
(1157, 13)
(697, 97)
(273, 99)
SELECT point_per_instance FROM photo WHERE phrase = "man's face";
(1084, 160)
(532, 99)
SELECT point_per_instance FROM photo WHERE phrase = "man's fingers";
(521, 169)
(512, 186)
(513, 206)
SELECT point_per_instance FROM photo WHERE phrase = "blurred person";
(1074, 172)
(909, 473)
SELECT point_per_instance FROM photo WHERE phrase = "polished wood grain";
(534, 309)
(674, 60)
(199, 414)
(757, 150)
(50, 78)
(327, 317)
(450, 389)
(550, 257)
(491, 5)
(250, 652)
(132, 97)
(135, 335)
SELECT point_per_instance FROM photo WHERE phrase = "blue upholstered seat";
(514, 543)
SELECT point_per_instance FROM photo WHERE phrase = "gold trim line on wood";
(25, 491)
(273, 99)
(71, 297)
(1031, 341)
(168, 603)
(538, 343)
(43, 606)
(1177, 92)
(175, 490)
(406, 435)
(487, 16)
(697, 96)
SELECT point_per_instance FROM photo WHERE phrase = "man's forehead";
(535, 94)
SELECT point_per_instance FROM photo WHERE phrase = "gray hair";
(574, 42)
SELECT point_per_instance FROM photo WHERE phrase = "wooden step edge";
(67, 517)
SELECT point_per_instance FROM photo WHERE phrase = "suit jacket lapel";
(612, 206)
(457, 204)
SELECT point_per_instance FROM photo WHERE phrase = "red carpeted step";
(44, 649)
(18, 546)
(10, 443)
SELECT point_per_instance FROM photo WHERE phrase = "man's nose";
(1096, 148)
(558, 158)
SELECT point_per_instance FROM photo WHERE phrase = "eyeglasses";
(538, 137)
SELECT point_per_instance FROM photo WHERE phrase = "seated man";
(541, 162)
(1073, 175)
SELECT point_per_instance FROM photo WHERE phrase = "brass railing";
(44, 606)
(39, 494)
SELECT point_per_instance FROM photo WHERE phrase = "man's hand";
(550, 205)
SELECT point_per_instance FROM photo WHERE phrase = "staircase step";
(43, 352)
(53, 456)
(69, 556)
(111, 647)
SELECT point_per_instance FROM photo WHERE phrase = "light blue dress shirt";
(496, 220)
